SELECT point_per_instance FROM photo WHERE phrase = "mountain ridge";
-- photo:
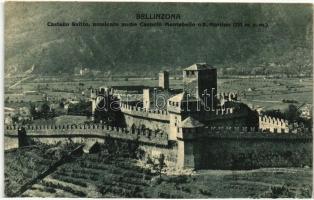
(285, 45)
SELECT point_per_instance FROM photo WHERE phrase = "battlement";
(66, 127)
(125, 107)
(154, 137)
(273, 120)
(245, 129)
(160, 115)
(274, 124)
(253, 133)
(95, 130)
(240, 133)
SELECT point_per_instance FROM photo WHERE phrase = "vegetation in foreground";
(24, 164)
(114, 172)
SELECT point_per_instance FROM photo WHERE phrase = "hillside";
(99, 175)
(284, 46)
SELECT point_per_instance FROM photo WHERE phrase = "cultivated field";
(24, 164)
(257, 91)
(269, 92)
(117, 175)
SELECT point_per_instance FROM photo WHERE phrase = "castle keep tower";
(164, 80)
(200, 81)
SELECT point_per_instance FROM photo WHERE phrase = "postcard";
(158, 100)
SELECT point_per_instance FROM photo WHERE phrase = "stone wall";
(170, 153)
(213, 148)
(243, 148)
(236, 153)
(152, 119)
(160, 115)
(94, 131)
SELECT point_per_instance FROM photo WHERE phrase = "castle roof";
(199, 66)
(190, 123)
(179, 97)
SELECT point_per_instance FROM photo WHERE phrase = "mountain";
(284, 45)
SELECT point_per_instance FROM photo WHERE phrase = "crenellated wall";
(247, 132)
(252, 152)
(91, 131)
(160, 115)
(152, 119)
(212, 147)
(215, 147)
(273, 124)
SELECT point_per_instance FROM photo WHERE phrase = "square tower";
(200, 81)
(164, 80)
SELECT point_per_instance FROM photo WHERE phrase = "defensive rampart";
(253, 152)
(243, 148)
(152, 119)
(158, 115)
(214, 147)
(255, 133)
(146, 136)
(273, 124)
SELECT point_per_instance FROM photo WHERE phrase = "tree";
(292, 113)
(274, 113)
(161, 164)
(33, 111)
(61, 104)
(45, 109)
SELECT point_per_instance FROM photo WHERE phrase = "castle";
(185, 114)
(194, 126)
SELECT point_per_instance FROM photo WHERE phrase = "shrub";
(178, 179)
(186, 189)
(283, 192)
(205, 192)
(164, 195)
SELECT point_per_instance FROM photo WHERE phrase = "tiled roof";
(179, 97)
(199, 66)
(183, 96)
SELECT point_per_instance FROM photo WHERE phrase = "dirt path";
(19, 82)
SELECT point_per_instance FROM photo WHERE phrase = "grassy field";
(118, 175)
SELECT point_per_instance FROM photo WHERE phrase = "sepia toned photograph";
(158, 100)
